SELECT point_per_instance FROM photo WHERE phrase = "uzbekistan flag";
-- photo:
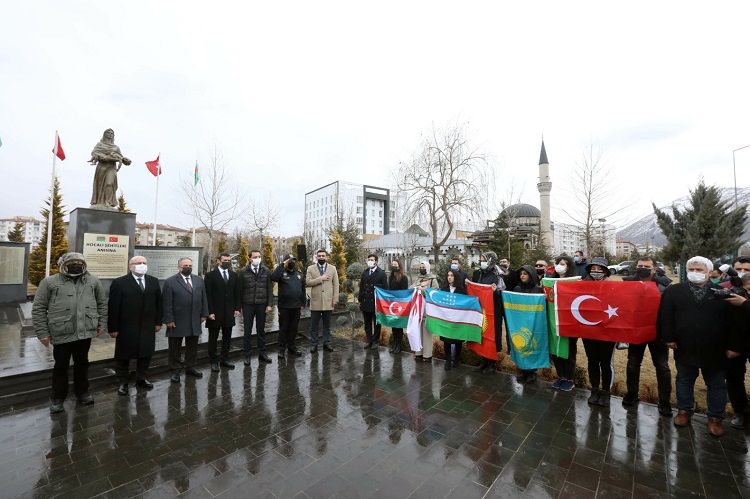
(392, 308)
(607, 310)
(558, 346)
(526, 321)
(485, 347)
(453, 315)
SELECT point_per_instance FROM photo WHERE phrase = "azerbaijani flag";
(197, 177)
(558, 345)
(392, 308)
(486, 346)
(526, 320)
(453, 315)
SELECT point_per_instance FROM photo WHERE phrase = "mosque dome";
(522, 210)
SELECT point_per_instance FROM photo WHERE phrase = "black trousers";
(566, 368)
(226, 343)
(660, 357)
(257, 312)
(600, 355)
(736, 381)
(288, 325)
(315, 317)
(79, 351)
(372, 328)
(122, 369)
(175, 349)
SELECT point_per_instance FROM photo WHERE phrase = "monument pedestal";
(105, 238)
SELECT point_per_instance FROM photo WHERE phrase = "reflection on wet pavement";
(360, 423)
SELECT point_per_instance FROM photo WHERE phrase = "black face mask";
(394, 269)
(291, 266)
(540, 272)
(75, 269)
(226, 265)
(321, 261)
(186, 271)
(422, 271)
(643, 274)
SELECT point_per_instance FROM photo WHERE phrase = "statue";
(108, 160)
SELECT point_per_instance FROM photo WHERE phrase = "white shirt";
(142, 278)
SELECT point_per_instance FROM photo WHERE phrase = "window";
(359, 220)
(381, 223)
(380, 214)
(359, 199)
(359, 210)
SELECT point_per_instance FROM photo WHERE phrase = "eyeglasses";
(539, 265)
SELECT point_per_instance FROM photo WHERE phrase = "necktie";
(255, 270)
(322, 270)
(226, 276)
(140, 283)
(189, 285)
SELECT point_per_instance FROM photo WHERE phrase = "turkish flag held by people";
(486, 300)
(620, 311)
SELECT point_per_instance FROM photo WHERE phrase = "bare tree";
(445, 178)
(263, 215)
(216, 197)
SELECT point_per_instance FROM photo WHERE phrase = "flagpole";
(156, 201)
(195, 185)
(51, 206)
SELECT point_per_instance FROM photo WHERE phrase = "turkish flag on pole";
(486, 300)
(607, 310)
(58, 150)
(154, 167)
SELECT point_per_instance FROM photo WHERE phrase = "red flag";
(486, 300)
(607, 310)
(58, 150)
(154, 167)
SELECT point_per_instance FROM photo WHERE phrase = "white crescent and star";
(399, 308)
(574, 308)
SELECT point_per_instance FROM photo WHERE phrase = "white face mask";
(370, 263)
(483, 265)
(256, 262)
(561, 269)
(740, 274)
(141, 268)
(697, 277)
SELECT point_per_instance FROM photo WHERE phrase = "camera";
(727, 292)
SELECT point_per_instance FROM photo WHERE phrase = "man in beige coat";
(323, 285)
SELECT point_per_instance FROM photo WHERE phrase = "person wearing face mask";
(542, 269)
(224, 294)
(645, 271)
(424, 281)
(581, 263)
(565, 368)
(489, 273)
(737, 366)
(600, 354)
(702, 331)
(185, 309)
(372, 277)
(292, 298)
(323, 283)
(70, 308)
(528, 283)
(397, 280)
(257, 295)
(134, 318)
(460, 274)
(732, 276)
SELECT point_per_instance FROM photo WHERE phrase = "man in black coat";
(698, 325)
(372, 277)
(135, 316)
(292, 298)
(456, 267)
(223, 293)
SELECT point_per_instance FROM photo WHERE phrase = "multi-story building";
(167, 235)
(570, 238)
(32, 229)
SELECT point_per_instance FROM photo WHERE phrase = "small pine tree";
(122, 205)
(38, 257)
(185, 240)
(17, 234)
(243, 256)
(338, 254)
(221, 246)
(267, 252)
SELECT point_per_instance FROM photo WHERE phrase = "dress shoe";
(481, 366)
(144, 383)
(86, 399)
(328, 348)
(738, 421)
(247, 361)
(392, 348)
(521, 378)
(604, 397)
(456, 362)
(447, 365)
(175, 378)
(594, 397)
(682, 419)
(281, 354)
(490, 368)
(227, 364)
(264, 358)
(665, 409)
(123, 390)
(295, 351)
(314, 349)
(215, 366)
(367, 345)
(397, 348)
(57, 406)
(374, 346)
(191, 371)
(629, 399)
(715, 427)
(531, 377)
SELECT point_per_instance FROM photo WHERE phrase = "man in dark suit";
(134, 319)
(223, 292)
(372, 277)
(185, 308)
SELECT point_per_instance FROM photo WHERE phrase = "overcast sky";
(300, 94)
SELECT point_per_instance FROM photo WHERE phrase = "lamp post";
(734, 168)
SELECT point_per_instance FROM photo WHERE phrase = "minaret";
(545, 187)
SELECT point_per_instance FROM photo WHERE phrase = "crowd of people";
(704, 321)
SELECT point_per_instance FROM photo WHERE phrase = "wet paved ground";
(361, 424)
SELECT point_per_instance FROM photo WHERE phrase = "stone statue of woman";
(108, 160)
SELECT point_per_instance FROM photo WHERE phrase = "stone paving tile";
(358, 424)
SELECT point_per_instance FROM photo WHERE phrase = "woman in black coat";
(489, 273)
(528, 283)
(397, 280)
(452, 285)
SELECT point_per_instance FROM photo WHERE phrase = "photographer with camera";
(737, 365)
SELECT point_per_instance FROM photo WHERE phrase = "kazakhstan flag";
(526, 319)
